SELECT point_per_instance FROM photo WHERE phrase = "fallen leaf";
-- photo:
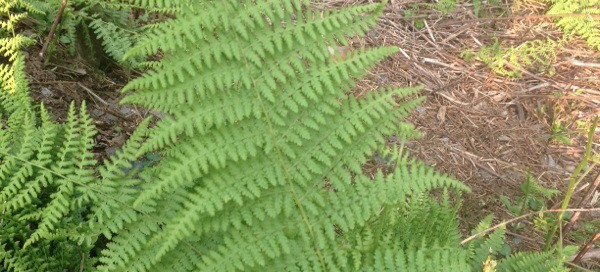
(441, 115)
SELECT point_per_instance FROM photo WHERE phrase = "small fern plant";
(41, 166)
(513, 61)
(587, 27)
(96, 29)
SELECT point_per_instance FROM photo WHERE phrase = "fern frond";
(74, 161)
(530, 262)
(586, 27)
(258, 124)
(513, 60)
(39, 203)
(115, 40)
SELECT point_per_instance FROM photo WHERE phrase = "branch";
(586, 248)
(61, 10)
(521, 217)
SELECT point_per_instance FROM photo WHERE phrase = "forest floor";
(486, 130)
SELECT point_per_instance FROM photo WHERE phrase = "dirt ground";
(481, 128)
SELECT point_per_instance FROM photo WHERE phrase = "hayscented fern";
(262, 146)
(586, 25)
(42, 165)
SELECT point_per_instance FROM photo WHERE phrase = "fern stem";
(573, 182)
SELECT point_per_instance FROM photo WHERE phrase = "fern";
(258, 124)
(261, 152)
(534, 197)
(41, 166)
(586, 27)
(531, 261)
(514, 60)
(93, 27)
(417, 235)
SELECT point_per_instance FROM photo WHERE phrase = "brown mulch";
(479, 127)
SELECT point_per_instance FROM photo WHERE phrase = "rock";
(552, 163)
(383, 78)
(96, 113)
(109, 118)
(485, 175)
(515, 175)
(569, 168)
(441, 115)
(47, 92)
(126, 111)
(158, 114)
(421, 110)
(81, 71)
(517, 240)
(504, 138)
(111, 150)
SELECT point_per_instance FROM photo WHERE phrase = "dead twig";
(81, 264)
(583, 64)
(61, 10)
(586, 248)
(92, 93)
(488, 19)
(504, 223)
(490, 171)
(586, 198)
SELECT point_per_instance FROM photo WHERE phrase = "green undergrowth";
(256, 164)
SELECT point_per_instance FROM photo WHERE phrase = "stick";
(63, 5)
(521, 217)
(92, 93)
(586, 248)
(585, 199)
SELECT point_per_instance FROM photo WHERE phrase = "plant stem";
(573, 182)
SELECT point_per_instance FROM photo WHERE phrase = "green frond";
(482, 247)
(422, 259)
(152, 5)
(115, 40)
(32, 6)
(73, 169)
(586, 27)
(513, 60)
(38, 180)
(119, 184)
(530, 262)
(261, 152)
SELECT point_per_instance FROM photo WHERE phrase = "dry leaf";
(441, 115)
